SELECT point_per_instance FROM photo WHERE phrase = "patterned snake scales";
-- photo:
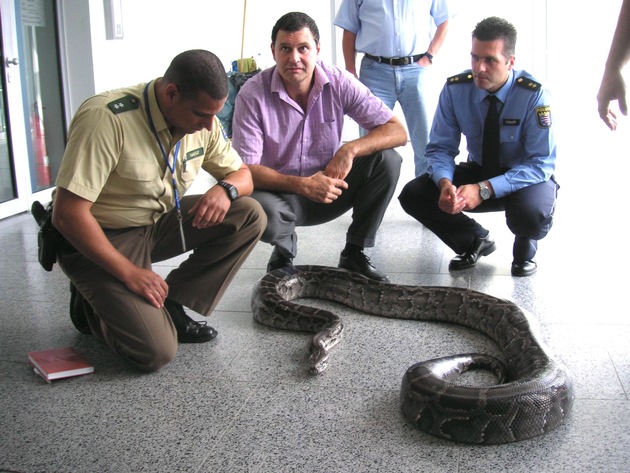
(534, 393)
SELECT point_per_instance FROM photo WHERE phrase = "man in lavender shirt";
(287, 128)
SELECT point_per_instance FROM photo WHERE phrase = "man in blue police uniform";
(511, 172)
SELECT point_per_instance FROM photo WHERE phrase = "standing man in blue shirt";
(399, 43)
(522, 185)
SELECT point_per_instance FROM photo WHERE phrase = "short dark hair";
(493, 28)
(198, 71)
(295, 21)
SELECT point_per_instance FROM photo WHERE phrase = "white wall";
(565, 49)
(157, 30)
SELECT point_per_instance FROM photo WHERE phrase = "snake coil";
(535, 391)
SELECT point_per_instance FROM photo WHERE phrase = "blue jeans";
(406, 85)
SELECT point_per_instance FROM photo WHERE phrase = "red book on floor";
(58, 363)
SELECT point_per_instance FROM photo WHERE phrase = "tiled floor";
(245, 402)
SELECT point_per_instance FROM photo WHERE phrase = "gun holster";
(49, 240)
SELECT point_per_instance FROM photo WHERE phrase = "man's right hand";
(450, 202)
(147, 284)
(321, 188)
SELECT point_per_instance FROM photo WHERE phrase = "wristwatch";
(484, 191)
(231, 190)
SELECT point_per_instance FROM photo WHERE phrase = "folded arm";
(388, 135)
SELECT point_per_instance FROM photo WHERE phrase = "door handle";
(11, 62)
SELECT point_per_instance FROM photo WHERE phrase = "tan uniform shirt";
(113, 158)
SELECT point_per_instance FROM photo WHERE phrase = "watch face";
(485, 193)
(230, 189)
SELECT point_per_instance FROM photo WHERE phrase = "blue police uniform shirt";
(527, 149)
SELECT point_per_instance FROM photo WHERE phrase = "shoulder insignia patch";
(223, 132)
(460, 78)
(527, 83)
(124, 104)
(543, 116)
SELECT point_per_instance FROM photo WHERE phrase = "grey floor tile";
(245, 402)
(126, 422)
(312, 429)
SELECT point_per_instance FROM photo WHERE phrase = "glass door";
(32, 126)
(7, 185)
(13, 172)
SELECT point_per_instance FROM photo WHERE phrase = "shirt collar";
(156, 114)
(502, 93)
(321, 79)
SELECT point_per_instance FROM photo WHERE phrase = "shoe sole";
(198, 339)
(487, 251)
(523, 274)
(358, 271)
(270, 269)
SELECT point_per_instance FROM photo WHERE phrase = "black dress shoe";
(188, 330)
(524, 268)
(78, 308)
(358, 262)
(278, 260)
(478, 248)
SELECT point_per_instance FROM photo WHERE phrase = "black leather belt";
(395, 61)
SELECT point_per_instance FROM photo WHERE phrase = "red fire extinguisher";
(39, 144)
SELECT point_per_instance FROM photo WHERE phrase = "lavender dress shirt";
(271, 129)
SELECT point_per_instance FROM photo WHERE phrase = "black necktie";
(490, 160)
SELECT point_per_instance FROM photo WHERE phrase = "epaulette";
(527, 83)
(124, 104)
(462, 78)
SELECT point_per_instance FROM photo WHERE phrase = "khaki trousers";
(128, 323)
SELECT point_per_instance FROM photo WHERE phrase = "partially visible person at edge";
(400, 46)
(288, 121)
(521, 184)
(613, 86)
(120, 202)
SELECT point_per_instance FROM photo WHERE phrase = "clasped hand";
(321, 188)
(326, 186)
(454, 200)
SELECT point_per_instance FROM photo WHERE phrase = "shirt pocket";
(191, 164)
(138, 177)
(510, 133)
(473, 133)
(471, 129)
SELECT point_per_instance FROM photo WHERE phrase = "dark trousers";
(371, 185)
(528, 212)
(128, 323)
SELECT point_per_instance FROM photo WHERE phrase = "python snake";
(534, 393)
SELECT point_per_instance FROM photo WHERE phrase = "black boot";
(78, 308)
(188, 330)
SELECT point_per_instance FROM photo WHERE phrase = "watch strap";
(230, 189)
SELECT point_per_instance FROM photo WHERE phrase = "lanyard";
(171, 168)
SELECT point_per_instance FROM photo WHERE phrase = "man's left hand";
(470, 194)
(340, 165)
(211, 208)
